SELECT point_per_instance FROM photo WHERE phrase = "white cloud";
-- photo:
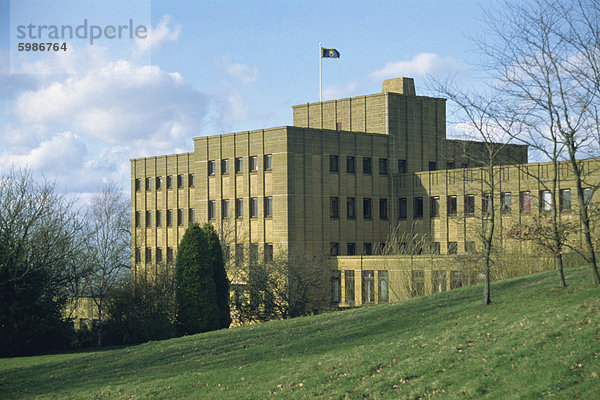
(62, 152)
(243, 73)
(422, 64)
(116, 104)
(160, 34)
(337, 92)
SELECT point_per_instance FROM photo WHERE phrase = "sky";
(196, 68)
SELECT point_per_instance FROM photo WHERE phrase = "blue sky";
(207, 67)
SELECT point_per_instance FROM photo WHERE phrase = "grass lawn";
(534, 341)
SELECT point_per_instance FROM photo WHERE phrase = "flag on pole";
(329, 53)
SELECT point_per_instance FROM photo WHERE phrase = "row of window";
(367, 165)
(368, 287)
(239, 164)
(168, 181)
(334, 208)
(404, 248)
(239, 208)
(439, 283)
(506, 203)
(239, 254)
(212, 212)
(158, 217)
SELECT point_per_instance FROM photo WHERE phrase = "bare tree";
(40, 234)
(286, 287)
(480, 114)
(108, 251)
(543, 56)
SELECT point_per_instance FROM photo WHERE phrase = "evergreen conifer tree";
(215, 253)
(196, 290)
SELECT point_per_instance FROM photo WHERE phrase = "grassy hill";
(534, 341)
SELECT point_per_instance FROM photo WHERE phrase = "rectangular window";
(505, 203)
(334, 208)
(403, 208)
(239, 255)
(485, 203)
(565, 199)
(137, 219)
(169, 182)
(268, 162)
(349, 286)
(383, 209)
(368, 286)
(148, 219)
(383, 166)
(253, 207)
(368, 249)
(225, 208)
(469, 204)
(350, 165)
(158, 254)
(334, 249)
(336, 287)
(435, 206)
(351, 249)
(224, 166)
(169, 255)
(351, 207)
(158, 217)
(253, 253)
(438, 281)
(525, 202)
(158, 183)
(418, 283)
(418, 205)
(367, 209)
(450, 165)
(148, 183)
(138, 255)
(367, 165)
(239, 208)
(334, 164)
(587, 196)
(452, 248)
(192, 215)
(452, 206)
(138, 184)
(401, 166)
(180, 219)
(169, 217)
(179, 181)
(191, 181)
(253, 164)
(226, 253)
(432, 166)
(268, 207)
(546, 201)
(239, 165)
(455, 279)
(435, 248)
(211, 167)
(470, 247)
(148, 255)
(268, 252)
(212, 209)
(383, 286)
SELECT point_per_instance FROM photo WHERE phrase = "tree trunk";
(99, 341)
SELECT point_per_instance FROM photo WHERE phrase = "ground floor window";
(349, 286)
(384, 295)
(368, 287)
(438, 281)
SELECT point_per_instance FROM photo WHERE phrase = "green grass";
(534, 341)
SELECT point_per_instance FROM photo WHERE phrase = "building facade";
(335, 183)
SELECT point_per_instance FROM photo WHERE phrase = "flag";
(329, 53)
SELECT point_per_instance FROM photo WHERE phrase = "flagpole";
(320, 72)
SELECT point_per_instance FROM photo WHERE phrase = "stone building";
(336, 182)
